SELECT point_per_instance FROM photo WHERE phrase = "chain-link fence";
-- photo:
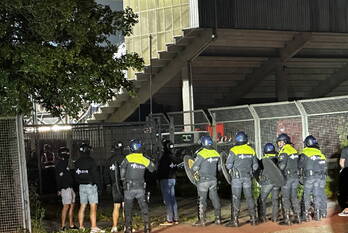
(324, 118)
(14, 197)
(42, 141)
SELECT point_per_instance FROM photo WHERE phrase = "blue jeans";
(168, 194)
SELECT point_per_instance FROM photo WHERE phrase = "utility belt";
(291, 173)
(308, 173)
(237, 174)
(206, 178)
(132, 184)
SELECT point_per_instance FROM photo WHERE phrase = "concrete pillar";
(282, 90)
(187, 98)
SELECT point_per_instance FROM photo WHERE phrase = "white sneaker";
(343, 214)
(114, 230)
(97, 230)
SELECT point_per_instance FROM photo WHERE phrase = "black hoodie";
(86, 170)
(64, 176)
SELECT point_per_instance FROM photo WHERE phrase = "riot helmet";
(269, 148)
(284, 137)
(63, 152)
(135, 145)
(310, 141)
(241, 138)
(167, 145)
(206, 141)
(85, 148)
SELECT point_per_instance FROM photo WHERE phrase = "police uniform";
(266, 188)
(132, 174)
(288, 164)
(206, 164)
(241, 163)
(313, 163)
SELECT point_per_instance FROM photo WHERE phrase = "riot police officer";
(241, 163)
(112, 176)
(288, 164)
(132, 174)
(267, 186)
(313, 164)
(206, 164)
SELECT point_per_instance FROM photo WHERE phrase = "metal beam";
(259, 74)
(161, 78)
(330, 83)
(282, 89)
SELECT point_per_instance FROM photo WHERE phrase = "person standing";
(267, 186)
(241, 163)
(132, 175)
(288, 164)
(206, 164)
(113, 177)
(313, 166)
(65, 184)
(86, 175)
(167, 167)
(343, 177)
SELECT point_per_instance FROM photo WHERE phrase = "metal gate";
(14, 195)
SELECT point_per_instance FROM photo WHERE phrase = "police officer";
(113, 177)
(86, 175)
(132, 174)
(241, 163)
(206, 164)
(288, 164)
(313, 164)
(267, 187)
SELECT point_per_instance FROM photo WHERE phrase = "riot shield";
(188, 163)
(272, 172)
(223, 158)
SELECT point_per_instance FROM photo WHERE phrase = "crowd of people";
(125, 174)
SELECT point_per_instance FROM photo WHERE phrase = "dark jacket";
(64, 176)
(313, 162)
(133, 169)
(288, 161)
(167, 165)
(86, 170)
(242, 161)
(112, 172)
(206, 163)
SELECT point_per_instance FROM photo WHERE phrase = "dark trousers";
(204, 188)
(238, 185)
(289, 192)
(265, 191)
(129, 196)
(311, 187)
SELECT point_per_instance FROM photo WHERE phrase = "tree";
(57, 54)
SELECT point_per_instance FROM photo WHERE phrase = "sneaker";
(63, 229)
(167, 223)
(343, 214)
(114, 230)
(73, 228)
(176, 222)
(97, 230)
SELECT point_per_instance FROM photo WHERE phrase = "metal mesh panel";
(330, 131)
(178, 118)
(231, 114)
(277, 110)
(11, 199)
(326, 106)
(270, 129)
(230, 130)
(200, 117)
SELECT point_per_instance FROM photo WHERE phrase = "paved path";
(333, 224)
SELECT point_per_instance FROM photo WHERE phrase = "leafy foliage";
(57, 54)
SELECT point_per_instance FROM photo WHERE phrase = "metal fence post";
(171, 129)
(257, 131)
(304, 118)
(23, 174)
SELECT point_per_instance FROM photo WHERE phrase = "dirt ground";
(187, 213)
